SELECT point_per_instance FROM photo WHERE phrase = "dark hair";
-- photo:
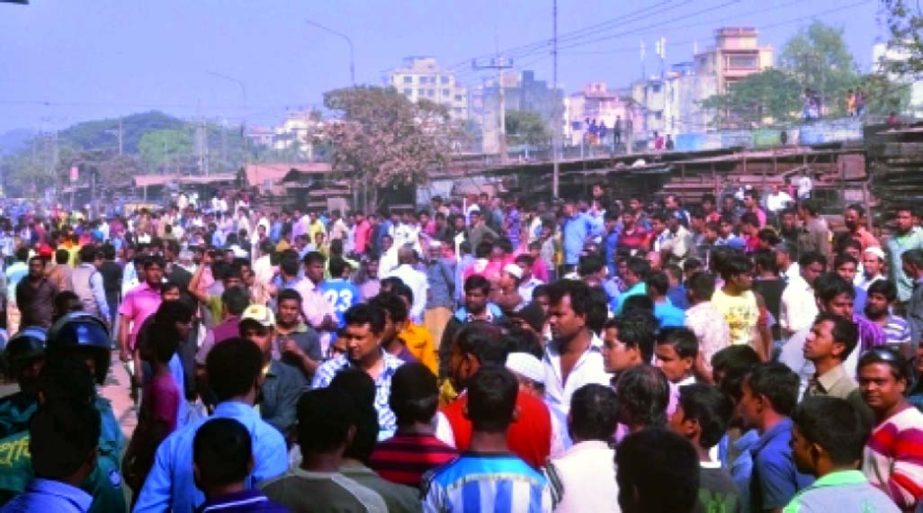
(810, 206)
(885, 288)
(674, 271)
(525, 258)
(337, 266)
(288, 295)
(66, 379)
(313, 257)
(913, 257)
(900, 366)
(62, 437)
(835, 425)
(830, 285)
(62, 256)
(476, 281)
(750, 218)
(812, 257)
(638, 303)
(393, 304)
(360, 388)
(599, 309)
(639, 267)
(222, 451)
(735, 265)
(636, 329)
(644, 394)
(594, 413)
(366, 313)
(777, 383)
(844, 258)
(236, 299)
(766, 260)
(403, 291)
(735, 362)
(153, 260)
(844, 331)
(702, 285)
(590, 264)
(22, 254)
(492, 398)
(581, 299)
(484, 341)
(170, 285)
(288, 262)
(658, 282)
(646, 461)
(87, 253)
(710, 407)
(414, 394)
(233, 367)
(683, 340)
(324, 418)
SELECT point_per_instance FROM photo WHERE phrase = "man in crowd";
(364, 326)
(882, 295)
(35, 295)
(907, 236)
(827, 440)
(294, 342)
(798, 306)
(831, 340)
(87, 283)
(502, 482)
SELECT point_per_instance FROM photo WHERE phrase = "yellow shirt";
(741, 313)
(420, 344)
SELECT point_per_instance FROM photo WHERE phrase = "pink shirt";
(362, 236)
(139, 303)
(160, 400)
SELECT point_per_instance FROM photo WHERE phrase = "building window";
(431, 93)
(444, 79)
(408, 92)
(745, 62)
(446, 93)
(658, 115)
(655, 88)
(458, 97)
(408, 79)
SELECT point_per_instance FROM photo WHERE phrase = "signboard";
(74, 174)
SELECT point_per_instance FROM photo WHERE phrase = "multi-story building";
(597, 103)
(421, 77)
(671, 101)
(521, 91)
(298, 132)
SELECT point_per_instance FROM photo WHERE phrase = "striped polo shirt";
(404, 458)
(478, 482)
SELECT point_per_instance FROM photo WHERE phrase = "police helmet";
(82, 333)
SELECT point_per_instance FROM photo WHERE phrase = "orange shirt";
(420, 344)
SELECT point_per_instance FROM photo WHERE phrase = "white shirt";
(777, 201)
(586, 474)
(863, 282)
(417, 282)
(793, 271)
(589, 369)
(798, 308)
(804, 187)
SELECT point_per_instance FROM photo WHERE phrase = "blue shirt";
(775, 480)
(48, 495)
(486, 482)
(668, 316)
(577, 230)
(638, 289)
(340, 294)
(611, 246)
(170, 483)
(677, 297)
(387, 423)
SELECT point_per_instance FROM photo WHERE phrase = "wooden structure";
(895, 161)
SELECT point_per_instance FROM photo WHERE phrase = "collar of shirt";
(784, 426)
(233, 501)
(840, 478)
(829, 379)
(235, 410)
(80, 499)
(391, 364)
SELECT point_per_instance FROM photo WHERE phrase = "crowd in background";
(480, 353)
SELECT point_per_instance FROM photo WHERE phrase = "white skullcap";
(527, 366)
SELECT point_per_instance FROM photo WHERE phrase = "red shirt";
(636, 239)
(529, 436)
(404, 458)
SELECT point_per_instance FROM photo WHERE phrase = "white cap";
(238, 251)
(527, 366)
(513, 269)
(875, 250)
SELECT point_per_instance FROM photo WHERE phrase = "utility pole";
(498, 63)
(556, 111)
(352, 61)
(120, 136)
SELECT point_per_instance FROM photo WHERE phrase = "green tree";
(818, 58)
(383, 139)
(769, 96)
(526, 127)
(905, 23)
(162, 149)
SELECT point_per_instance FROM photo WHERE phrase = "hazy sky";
(65, 61)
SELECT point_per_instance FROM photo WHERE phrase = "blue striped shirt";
(897, 330)
(486, 482)
(387, 422)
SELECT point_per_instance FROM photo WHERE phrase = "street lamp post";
(352, 62)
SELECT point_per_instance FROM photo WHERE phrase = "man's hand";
(291, 347)
(124, 355)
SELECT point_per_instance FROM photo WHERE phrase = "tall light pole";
(352, 61)
(555, 115)
(243, 121)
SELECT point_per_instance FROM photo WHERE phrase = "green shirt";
(844, 491)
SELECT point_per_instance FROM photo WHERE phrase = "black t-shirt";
(717, 492)
(112, 276)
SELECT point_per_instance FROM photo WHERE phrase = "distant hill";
(102, 134)
(14, 140)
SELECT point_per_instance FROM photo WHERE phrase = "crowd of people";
(480, 354)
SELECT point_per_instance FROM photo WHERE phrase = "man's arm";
(194, 284)
(124, 333)
(99, 294)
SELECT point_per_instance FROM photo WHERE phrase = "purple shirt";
(226, 329)
(138, 304)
